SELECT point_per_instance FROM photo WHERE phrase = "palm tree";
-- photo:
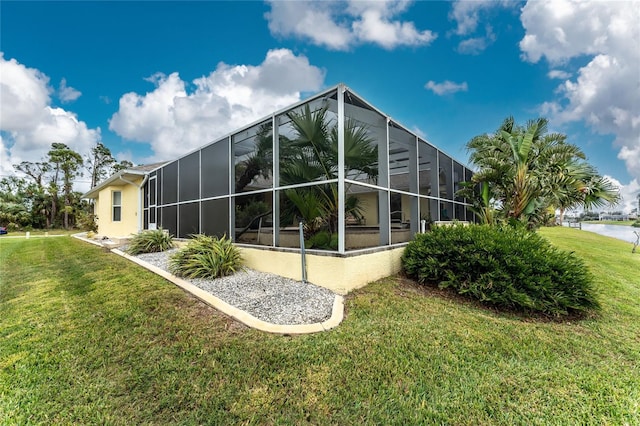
(260, 162)
(312, 155)
(528, 169)
(579, 185)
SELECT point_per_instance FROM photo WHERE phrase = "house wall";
(341, 274)
(369, 202)
(128, 223)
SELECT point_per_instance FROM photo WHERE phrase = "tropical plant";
(206, 257)
(526, 170)
(260, 162)
(480, 197)
(578, 184)
(150, 241)
(312, 155)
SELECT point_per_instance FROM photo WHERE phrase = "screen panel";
(215, 217)
(445, 177)
(189, 177)
(189, 220)
(253, 158)
(427, 168)
(169, 216)
(215, 169)
(254, 218)
(170, 183)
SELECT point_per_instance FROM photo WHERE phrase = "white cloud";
(374, 26)
(562, 29)
(175, 120)
(67, 93)
(314, 21)
(629, 194)
(559, 74)
(24, 95)
(28, 122)
(446, 87)
(466, 14)
(476, 45)
(605, 93)
(338, 25)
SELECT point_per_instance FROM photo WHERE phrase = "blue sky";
(153, 80)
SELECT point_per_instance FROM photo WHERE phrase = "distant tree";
(35, 171)
(68, 162)
(122, 165)
(35, 195)
(99, 163)
(13, 209)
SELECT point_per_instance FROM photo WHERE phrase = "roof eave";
(93, 192)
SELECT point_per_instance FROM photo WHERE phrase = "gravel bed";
(268, 297)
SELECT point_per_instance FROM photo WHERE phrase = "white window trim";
(113, 206)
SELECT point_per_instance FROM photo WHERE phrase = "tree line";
(44, 197)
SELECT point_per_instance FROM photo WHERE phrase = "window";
(116, 204)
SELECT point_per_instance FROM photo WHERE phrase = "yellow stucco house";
(118, 201)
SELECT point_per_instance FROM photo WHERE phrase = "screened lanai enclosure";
(352, 175)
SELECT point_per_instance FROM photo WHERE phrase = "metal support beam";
(341, 186)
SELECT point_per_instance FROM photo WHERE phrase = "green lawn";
(610, 222)
(87, 337)
(41, 232)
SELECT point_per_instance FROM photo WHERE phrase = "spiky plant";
(151, 241)
(206, 257)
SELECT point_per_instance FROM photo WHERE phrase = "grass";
(41, 232)
(610, 222)
(88, 337)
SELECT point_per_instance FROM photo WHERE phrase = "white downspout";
(140, 205)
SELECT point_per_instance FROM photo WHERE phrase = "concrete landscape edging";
(337, 312)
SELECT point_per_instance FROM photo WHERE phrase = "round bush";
(502, 266)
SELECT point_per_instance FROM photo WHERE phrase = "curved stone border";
(337, 313)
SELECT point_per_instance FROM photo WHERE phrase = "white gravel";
(268, 297)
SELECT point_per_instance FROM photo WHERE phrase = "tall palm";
(312, 155)
(524, 167)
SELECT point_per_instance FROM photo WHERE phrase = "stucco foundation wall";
(129, 212)
(340, 274)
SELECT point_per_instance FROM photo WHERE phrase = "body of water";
(624, 233)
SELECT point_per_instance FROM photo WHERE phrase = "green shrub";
(323, 240)
(206, 257)
(150, 242)
(502, 266)
(636, 224)
(87, 221)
